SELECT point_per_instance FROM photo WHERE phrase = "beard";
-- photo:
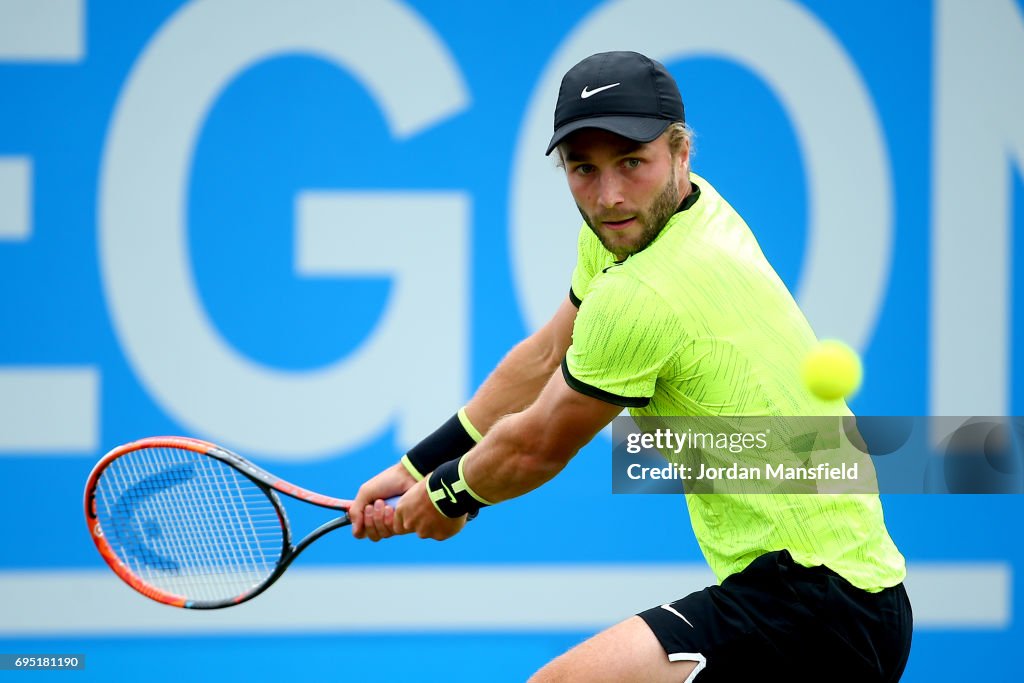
(651, 220)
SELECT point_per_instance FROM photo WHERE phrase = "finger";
(381, 517)
(380, 529)
(398, 521)
(355, 513)
(357, 510)
(370, 524)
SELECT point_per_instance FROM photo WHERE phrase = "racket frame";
(268, 483)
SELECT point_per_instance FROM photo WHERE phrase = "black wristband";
(451, 440)
(450, 493)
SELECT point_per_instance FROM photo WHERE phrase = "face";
(626, 191)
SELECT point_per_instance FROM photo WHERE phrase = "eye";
(584, 169)
(632, 163)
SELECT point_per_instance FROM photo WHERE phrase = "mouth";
(619, 224)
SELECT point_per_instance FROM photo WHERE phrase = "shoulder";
(623, 310)
(625, 285)
(715, 212)
(591, 259)
(622, 337)
(590, 250)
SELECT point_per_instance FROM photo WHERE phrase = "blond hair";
(678, 132)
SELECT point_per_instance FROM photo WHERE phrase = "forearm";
(511, 387)
(521, 375)
(520, 452)
(514, 384)
(512, 461)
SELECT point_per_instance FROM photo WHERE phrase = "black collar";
(690, 199)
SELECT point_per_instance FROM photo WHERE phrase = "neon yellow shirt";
(699, 324)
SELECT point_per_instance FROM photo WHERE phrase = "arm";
(528, 449)
(518, 380)
(514, 384)
(621, 342)
(520, 453)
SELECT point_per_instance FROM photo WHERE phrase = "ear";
(684, 155)
(682, 160)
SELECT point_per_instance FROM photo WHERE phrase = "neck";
(685, 187)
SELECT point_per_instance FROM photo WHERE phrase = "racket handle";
(392, 501)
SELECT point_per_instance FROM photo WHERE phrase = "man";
(673, 310)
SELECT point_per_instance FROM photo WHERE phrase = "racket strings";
(188, 524)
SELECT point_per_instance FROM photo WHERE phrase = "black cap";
(622, 92)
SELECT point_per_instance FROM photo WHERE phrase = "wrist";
(467, 425)
(451, 494)
(409, 469)
(452, 439)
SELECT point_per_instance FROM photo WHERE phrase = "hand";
(416, 514)
(371, 517)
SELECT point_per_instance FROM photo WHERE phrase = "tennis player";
(672, 311)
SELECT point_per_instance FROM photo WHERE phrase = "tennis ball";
(832, 370)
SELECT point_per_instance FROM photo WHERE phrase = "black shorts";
(778, 620)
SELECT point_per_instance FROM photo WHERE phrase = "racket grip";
(392, 501)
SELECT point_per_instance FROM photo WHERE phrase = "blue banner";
(307, 231)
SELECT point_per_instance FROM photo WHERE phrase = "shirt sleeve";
(623, 336)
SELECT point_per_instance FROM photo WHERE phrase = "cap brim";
(638, 128)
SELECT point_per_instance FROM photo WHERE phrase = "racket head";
(184, 523)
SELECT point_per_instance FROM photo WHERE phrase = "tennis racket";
(193, 525)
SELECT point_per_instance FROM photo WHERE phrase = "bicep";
(554, 338)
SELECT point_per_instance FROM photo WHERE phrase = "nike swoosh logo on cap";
(587, 93)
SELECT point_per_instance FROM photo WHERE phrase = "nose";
(609, 190)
